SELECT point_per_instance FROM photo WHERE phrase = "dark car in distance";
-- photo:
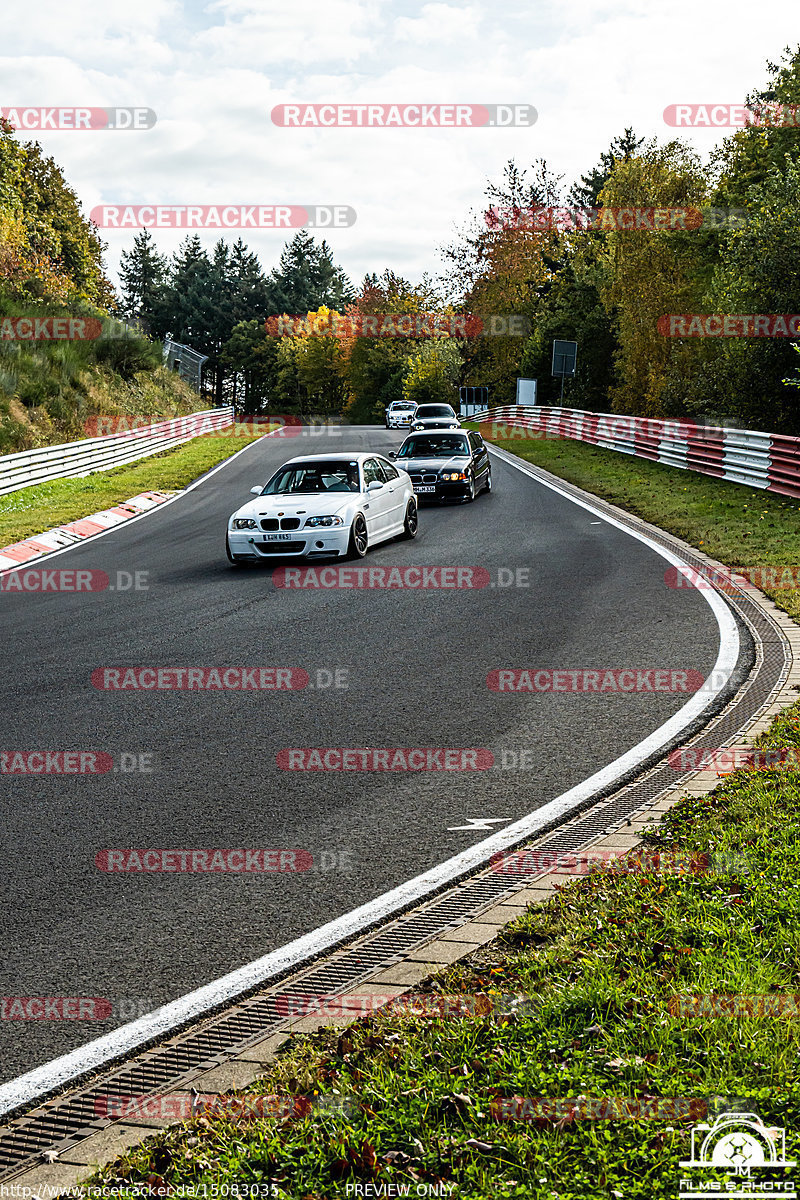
(435, 416)
(445, 464)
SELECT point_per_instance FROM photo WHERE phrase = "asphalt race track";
(415, 663)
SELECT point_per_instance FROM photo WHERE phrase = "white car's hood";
(316, 504)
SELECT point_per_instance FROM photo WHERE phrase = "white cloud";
(302, 32)
(214, 72)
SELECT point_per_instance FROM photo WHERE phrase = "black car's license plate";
(424, 487)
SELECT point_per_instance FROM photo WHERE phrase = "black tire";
(233, 559)
(359, 538)
(411, 523)
(471, 493)
(488, 484)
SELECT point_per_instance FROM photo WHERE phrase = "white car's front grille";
(271, 523)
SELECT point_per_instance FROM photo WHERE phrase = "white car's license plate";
(424, 487)
(277, 537)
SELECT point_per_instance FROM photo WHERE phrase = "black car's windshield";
(309, 477)
(435, 410)
(440, 445)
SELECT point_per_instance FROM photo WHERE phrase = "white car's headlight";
(316, 522)
(243, 523)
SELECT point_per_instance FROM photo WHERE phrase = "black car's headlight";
(243, 523)
(455, 476)
(316, 522)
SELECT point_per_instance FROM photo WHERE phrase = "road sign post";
(474, 398)
(565, 357)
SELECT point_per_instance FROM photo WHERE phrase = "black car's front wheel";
(488, 484)
(359, 539)
(411, 523)
(470, 496)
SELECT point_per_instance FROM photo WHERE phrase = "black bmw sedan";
(446, 464)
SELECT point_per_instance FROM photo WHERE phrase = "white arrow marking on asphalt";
(479, 823)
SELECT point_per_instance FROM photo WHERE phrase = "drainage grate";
(71, 1117)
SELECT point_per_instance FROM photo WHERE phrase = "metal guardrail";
(768, 461)
(77, 459)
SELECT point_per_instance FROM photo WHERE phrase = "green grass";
(737, 525)
(602, 960)
(35, 509)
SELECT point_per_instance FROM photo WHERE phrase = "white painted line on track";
(89, 1057)
(478, 823)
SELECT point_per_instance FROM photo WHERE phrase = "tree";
(310, 368)
(586, 193)
(250, 290)
(571, 309)
(48, 250)
(757, 273)
(648, 274)
(143, 276)
(182, 313)
(496, 267)
(57, 228)
(306, 277)
(251, 353)
(752, 269)
(747, 157)
(375, 368)
(433, 372)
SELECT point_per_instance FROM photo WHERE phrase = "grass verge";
(33, 510)
(739, 526)
(603, 960)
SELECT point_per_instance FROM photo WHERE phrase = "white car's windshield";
(310, 477)
(443, 445)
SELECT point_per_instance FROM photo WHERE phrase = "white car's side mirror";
(255, 491)
(375, 485)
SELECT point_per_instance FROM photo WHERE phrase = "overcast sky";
(213, 73)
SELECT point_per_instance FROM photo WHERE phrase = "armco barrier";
(769, 461)
(29, 467)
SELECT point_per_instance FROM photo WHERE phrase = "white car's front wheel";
(359, 539)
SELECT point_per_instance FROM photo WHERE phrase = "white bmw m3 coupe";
(324, 505)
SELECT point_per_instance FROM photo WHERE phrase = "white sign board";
(526, 391)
